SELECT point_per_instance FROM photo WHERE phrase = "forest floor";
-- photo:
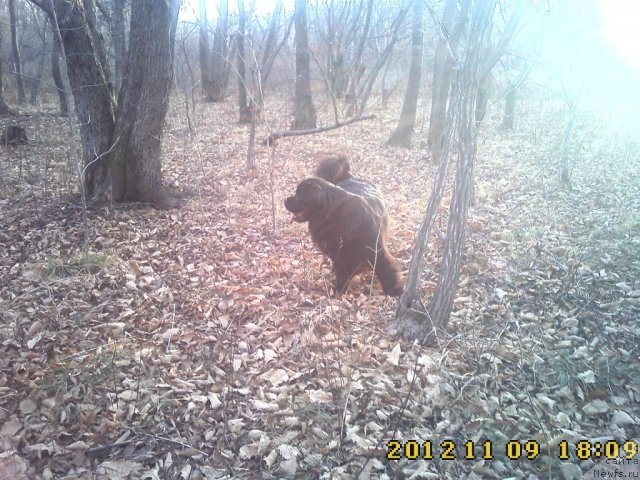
(202, 342)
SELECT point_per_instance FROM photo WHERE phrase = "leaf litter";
(203, 342)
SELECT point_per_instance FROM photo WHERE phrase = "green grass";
(78, 265)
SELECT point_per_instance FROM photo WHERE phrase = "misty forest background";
(161, 316)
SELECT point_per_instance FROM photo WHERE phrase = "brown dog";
(350, 227)
(337, 170)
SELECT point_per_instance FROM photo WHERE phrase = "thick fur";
(337, 170)
(349, 228)
(334, 169)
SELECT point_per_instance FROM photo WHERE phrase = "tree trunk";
(271, 49)
(220, 60)
(35, 83)
(89, 81)
(404, 131)
(15, 48)
(144, 100)
(243, 109)
(413, 320)
(57, 76)
(442, 74)
(358, 70)
(4, 108)
(119, 42)
(565, 172)
(510, 109)
(360, 102)
(493, 55)
(482, 101)
(304, 113)
(205, 54)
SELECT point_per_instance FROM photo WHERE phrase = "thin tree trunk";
(135, 160)
(304, 113)
(413, 320)
(35, 82)
(56, 51)
(251, 157)
(367, 86)
(359, 68)
(4, 108)
(385, 89)
(220, 61)
(493, 55)
(15, 48)
(119, 42)
(404, 131)
(270, 51)
(482, 101)
(510, 109)
(442, 75)
(243, 109)
(205, 54)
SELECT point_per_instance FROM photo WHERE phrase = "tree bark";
(34, 85)
(404, 131)
(243, 109)
(56, 51)
(493, 55)
(304, 113)
(15, 48)
(220, 60)
(442, 75)
(357, 73)
(89, 80)
(482, 100)
(361, 99)
(205, 54)
(413, 320)
(119, 42)
(510, 109)
(144, 100)
(4, 108)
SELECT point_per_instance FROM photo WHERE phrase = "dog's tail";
(334, 169)
(387, 270)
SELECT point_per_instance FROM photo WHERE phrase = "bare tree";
(343, 22)
(205, 54)
(135, 167)
(15, 48)
(512, 95)
(56, 52)
(121, 143)
(4, 108)
(89, 79)
(443, 73)
(304, 113)
(493, 55)
(243, 108)
(393, 36)
(413, 319)
(518, 69)
(404, 131)
(260, 65)
(216, 89)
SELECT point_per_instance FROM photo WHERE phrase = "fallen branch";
(295, 133)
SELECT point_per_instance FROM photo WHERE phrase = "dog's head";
(313, 196)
